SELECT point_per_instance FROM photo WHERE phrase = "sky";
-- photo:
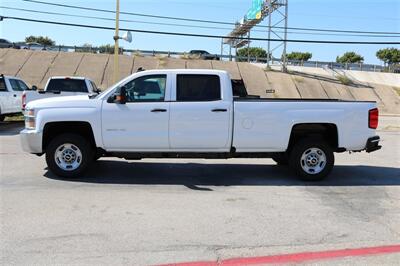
(363, 15)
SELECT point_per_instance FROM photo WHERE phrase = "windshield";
(67, 85)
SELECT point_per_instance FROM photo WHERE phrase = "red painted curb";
(298, 257)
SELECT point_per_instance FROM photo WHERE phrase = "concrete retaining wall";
(35, 67)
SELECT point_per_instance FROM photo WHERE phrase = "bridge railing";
(262, 60)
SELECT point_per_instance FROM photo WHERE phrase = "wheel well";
(54, 129)
(328, 132)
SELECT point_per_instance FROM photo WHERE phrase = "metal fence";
(316, 64)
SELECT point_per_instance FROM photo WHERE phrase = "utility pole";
(269, 55)
(284, 55)
(116, 47)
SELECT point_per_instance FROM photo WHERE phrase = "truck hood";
(63, 102)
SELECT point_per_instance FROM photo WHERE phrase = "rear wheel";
(2, 118)
(69, 155)
(312, 159)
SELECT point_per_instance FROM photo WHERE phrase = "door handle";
(219, 110)
(159, 110)
(15, 95)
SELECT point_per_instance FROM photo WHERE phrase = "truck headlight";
(30, 121)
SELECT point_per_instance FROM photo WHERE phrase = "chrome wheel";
(68, 157)
(313, 161)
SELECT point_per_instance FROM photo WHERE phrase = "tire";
(69, 155)
(2, 118)
(281, 158)
(312, 159)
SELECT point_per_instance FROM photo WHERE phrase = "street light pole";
(116, 47)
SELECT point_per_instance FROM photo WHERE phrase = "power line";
(191, 34)
(182, 25)
(203, 21)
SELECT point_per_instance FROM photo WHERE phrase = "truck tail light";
(23, 101)
(373, 118)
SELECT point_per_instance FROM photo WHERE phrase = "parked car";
(11, 89)
(33, 46)
(61, 86)
(7, 44)
(204, 55)
(193, 114)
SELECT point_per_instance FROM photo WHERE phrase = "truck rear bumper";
(31, 141)
(373, 144)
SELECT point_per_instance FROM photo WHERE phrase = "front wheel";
(312, 159)
(69, 155)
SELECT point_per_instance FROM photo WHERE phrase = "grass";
(397, 89)
(137, 54)
(190, 56)
(299, 79)
(267, 68)
(344, 80)
(162, 60)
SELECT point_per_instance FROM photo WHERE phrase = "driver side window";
(147, 89)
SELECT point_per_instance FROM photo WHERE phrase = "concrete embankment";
(35, 67)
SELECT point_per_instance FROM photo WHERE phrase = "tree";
(254, 52)
(109, 49)
(389, 56)
(349, 57)
(299, 56)
(46, 41)
(86, 48)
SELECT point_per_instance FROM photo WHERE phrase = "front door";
(142, 123)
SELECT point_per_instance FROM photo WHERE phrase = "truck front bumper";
(31, 141)
(373, 144)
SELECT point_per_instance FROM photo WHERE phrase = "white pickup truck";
(61, 86)
(194, 114)
(11, 89)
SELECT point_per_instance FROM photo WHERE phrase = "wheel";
(281, 158)
(312, 159)
(2, 117)
(69, 155)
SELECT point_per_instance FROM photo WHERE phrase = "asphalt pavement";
(170, 211)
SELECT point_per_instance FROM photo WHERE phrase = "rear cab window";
(198, 88)
(67, 85)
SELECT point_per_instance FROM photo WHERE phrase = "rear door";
(5, 100)
(16, 95)
(200, 118)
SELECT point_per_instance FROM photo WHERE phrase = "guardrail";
(316, 64)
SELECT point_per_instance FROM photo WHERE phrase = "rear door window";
(198, 88)
(67, 85)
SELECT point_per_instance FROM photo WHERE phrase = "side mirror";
(34, 88)
(119, 98)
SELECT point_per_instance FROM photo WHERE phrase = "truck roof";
(186, 71)
(68, 77)
(9, 77)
